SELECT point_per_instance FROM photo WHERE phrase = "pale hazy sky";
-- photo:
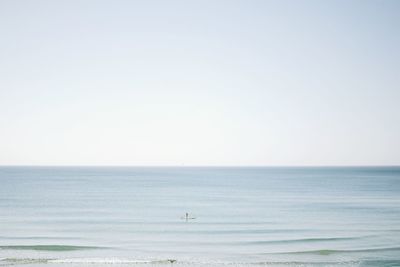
(199, 82)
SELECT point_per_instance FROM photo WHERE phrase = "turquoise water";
(79, 216)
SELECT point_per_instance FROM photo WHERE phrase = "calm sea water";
(97, 216)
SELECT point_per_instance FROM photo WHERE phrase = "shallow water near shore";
(275, 216)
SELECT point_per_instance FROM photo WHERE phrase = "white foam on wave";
(171, 262)
(105, 261)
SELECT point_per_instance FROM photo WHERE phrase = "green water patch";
(48, 247)
(303, 240)
(335, 251)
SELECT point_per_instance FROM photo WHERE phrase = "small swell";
(302, 240)
(335, 251)
(48, 247)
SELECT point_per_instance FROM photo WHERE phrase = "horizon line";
(202, 166)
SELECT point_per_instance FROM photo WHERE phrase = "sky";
(233, 83)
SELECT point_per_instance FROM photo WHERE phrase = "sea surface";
(247, 216)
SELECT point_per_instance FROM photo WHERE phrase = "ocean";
(237, 216)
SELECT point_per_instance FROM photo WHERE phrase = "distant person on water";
(187, 217)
